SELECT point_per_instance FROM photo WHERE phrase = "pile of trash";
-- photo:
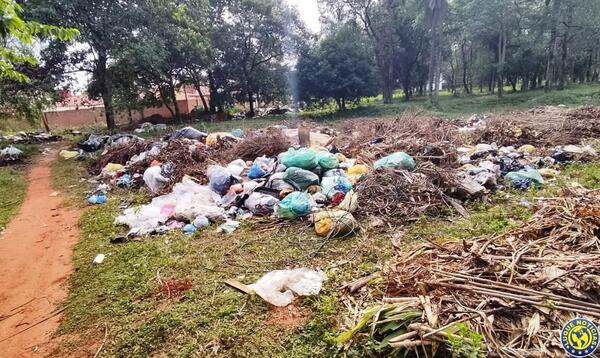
(396, 170)
(10, 154)
(30, 138)
(503, 295)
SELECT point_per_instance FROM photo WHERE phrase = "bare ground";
(35, 263)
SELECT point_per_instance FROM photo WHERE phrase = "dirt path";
(35, 262)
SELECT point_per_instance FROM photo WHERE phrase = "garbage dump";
(30, 138)
(395, 170)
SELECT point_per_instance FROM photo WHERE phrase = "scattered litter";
(278, 287)
(399, 160)
(68, 154)
(10, 154)
(229, 226)
(294, 205)
(96, 199)
(99, 259)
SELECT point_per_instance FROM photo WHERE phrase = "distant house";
(77, 111)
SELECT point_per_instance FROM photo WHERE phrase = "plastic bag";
(261, 167)
(358, 169)
(302, 158)
(524, 178)
(219, 178)
(213, 138)
(294, 205)
(332, 185)
(68, 154)
(189, 133)
(278, 287)
(334, 223)
(327, 160)
(237, 167)
(229, 226)
(10, 153)
(96, 199)
(300, 178)
(398, 160)
(154, 179)
(237, 133)
(261, 204)
(350, 202)
(277, 182)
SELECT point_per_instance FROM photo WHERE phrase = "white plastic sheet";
(278, 287)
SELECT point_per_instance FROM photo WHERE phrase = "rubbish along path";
(35, 263)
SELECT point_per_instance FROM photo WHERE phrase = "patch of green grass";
(13, 186)
(66, 175)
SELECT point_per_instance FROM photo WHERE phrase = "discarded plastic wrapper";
(10, 153)
(358, 169)
(277, 182)
(96, 199)
(334, 223)
(189, 229)
(332, 185)
(261, 204)
(189, 133)
(300, 178)
(327, 160)
(154, 179)
(229, 226)
(219, 178)
(278, 287)
(294, 205)
(237, 167)
(201, 221)
(398, 160)
(213, 138)
(302, 158)
(68, 154)
(350, 202)
(237, 133)
(261, 167)
(524, 178)
(111, 168)
(99, 259)
(187, 201)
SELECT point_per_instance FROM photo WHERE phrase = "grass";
(123, 293)
(13, 185)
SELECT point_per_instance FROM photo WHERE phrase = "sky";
(309, 13)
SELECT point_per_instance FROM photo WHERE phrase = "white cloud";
(309, 13)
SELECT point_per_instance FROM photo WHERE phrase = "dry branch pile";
(120, 154)
(422, 137)
(400, 195)
(269, 142)
(515, 290)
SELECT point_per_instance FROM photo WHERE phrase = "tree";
(341, 68)
(436, 10)
(15, 31)
(105, 27)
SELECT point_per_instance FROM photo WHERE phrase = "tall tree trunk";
(198, 87)
(173, 95)
(525, 83)
(550, 61)
(106, 86)
(437, 9)
(465, 66)
(251, 113)
(588, 73)
(501, 56)
(564, 50)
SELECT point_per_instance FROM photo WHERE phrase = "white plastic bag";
(278, 287)
(154, 179)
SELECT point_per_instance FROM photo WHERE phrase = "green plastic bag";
(294, 205)
(327, 160)
(300, 179)
(523, 179)
(304, 158)
(398, 160)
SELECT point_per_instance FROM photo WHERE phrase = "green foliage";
(465, 343)
(340, 68)
(12, 26)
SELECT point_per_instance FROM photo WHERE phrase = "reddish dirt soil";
(35, 263)
(289, 317)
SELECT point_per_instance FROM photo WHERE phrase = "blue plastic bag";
(304, 158)
(261, 168)
(294, 205)
(332, 185)
(219, 178)
(398, 160)
(97, 199)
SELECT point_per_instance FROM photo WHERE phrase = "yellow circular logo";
(579, 337)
